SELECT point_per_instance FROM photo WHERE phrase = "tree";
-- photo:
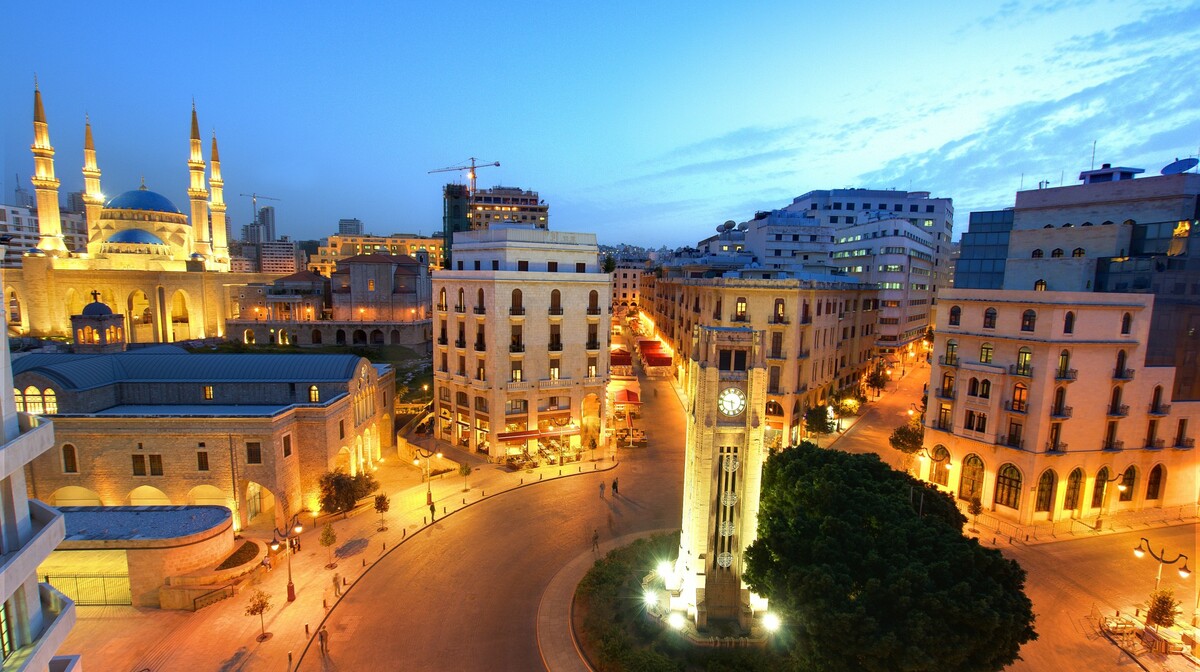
(382, 504)
(328, 539)
(909, 437)
(865, 582)
(341, 491)
(816, 421)
(465, 470)
(1163, 608)
(975, 507)
(609, 264)
(877, 380)
(260, 603)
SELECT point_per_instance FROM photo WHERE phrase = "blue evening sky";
(645, 122)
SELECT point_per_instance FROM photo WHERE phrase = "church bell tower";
(722, 477)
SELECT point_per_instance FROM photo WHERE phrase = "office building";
(350, 227)
(335, 248)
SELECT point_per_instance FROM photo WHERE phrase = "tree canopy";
(866, 583)
(341, 491)
(909, 437)
(817, 420)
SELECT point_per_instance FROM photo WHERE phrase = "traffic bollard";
(306, 630)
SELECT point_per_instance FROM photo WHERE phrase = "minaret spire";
(44, 181)
(220, 236)
(197, 193)
(93, 199)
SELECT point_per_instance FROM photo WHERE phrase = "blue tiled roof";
(142, 199)
(82, 372)
(136, 237)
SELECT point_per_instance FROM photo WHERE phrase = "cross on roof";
(95, 296)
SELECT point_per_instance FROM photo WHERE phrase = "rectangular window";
(495, 264)
(139, 465)
(551, 266)
(287, 445)
(342, 428)
(253, 452)
(554, 369)
(6, 638)
(522, 265)
(517, 374)
(370, 285)
(591, 367)
(156, 468)
(581, 267)
(208, 392)
(202, 460)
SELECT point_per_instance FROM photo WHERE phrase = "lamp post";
(426, 454)
(288, 535)
(924, 456)
(1121, 487)
(1144, 547)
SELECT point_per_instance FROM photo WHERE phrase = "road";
(463, 595)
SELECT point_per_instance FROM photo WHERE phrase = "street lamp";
(1161, 556)
(426, 454)
(293, 532)
(1121, 487)
(924, 456)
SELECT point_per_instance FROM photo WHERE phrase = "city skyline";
(637, 125)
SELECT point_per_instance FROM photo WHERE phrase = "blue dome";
(96, 309)
(135, 236)
(143, 199)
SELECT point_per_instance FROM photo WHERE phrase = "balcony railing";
(516, 310)
(941, 426)
(593, 311)
(740, 317)
(593, 345)
(1118, 410)
(441, 307)
(1019, 370)
(1061, 411)
(945, 392)
(1052, 447)
(1066, 375)
(554, 347)
(442, 340)
(555, 311)
(804, 354)
(460, 343)
(948, 360)
(1112, 445)
(1010, 441)
(1154, 444)
(460, 309)
(779, 319)
(480, 310)
(1160, 409)
(517, 347)
(775, 354)
(806, 319)
(480, 346)
(1016, 406)
(1185, 442)
(1122, 374)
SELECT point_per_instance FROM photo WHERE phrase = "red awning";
(518, 436)
(627, 397)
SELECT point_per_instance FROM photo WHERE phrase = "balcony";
(1184, 442)
(1118, 410)
(804, 354)
(948, 360)
(1160, 409)
(520, 385)
(516, 310)
(779, 319)
(558, 311)
(58, 614)
(555, 384)
(945, 392)
(1059, 447)
(441, 307)
(1122, 374)
(517, 347)
(593, 311)
(1060, 412)
(480, 310)
(593, 345)
(1020, 370)
(442, 340)
(593, 380)
(1154, 444)
(942, 426)
(1010, 441)
(480, 346)
(806, 319)
(460, 309)
(1014, 406)
(740, 317)
(460, 343)
(1066, 375)
(1112, 445)
(554, 347)
(775, 354)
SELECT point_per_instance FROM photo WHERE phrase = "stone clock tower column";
(722, 477)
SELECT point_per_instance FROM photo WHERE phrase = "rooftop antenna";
(1093, 156)
(1022, 182)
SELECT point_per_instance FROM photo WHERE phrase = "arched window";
(517, 307)
(1028, 320)
(1077, 252)
(14, 309)
(1126, 323)
(555, 302)
(1098, 489)
(1156, 399)
(973, 387)
(779, 312)
(985, 353)
(971, 485)
(951, 358)
(33, 401)
(1154, 483)
(1115, 400)
(479, 300)
(739, 309)
(314, 395)
(955, 315)
(19, 399)
(1038, 254)
(940, 470)
(948, 384)
(442, 299)
(1045, 491)
(1060, 400)
(985, 389)
(1056, 253)
(1064, 364)
(594, 302)
(1074, 487)
(1020, 399)
(50, 402)
(462, 300)
(989, 318)
(1008, 487)
(1069, 323)
(1024, 362)
(1128, 481)
(70, 463)
(1086, 224)
(1120, 372)
(1039, 286)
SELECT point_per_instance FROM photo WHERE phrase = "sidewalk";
(221, 636)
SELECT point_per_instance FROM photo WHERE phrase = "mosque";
(168, 272)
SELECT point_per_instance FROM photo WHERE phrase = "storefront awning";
(627, 397)
(537, 434)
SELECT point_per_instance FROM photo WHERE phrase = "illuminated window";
(208, 392)
(50, 401)
(19, 399)
(370, 285)
(139, 465)
(1008, 486)
(33, 401)
(314, 395)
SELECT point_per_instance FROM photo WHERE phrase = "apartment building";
(342, 246)
(626, 281)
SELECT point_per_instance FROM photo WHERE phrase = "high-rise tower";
(93, 199)
(220, 232)
(45, 183)
(722, 476)
(197, 193)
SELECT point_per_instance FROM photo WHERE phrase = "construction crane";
(470, 171)
(254, 202)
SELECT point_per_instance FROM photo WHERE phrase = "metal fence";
(93, 590)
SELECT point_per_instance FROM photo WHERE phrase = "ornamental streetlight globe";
(676, 620)
(650, 598)
(771, 622)
(664, 570)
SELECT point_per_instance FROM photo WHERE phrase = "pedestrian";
(323, 639)
(432, 512)
(266, 562)
(614, 487)
(656, 393)
(337, 584)
(596, 540)
(601, 489)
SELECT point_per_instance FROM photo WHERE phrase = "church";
(167, 271)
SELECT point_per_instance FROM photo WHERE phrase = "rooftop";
(100, 523)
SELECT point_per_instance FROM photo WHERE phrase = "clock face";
(731, 401)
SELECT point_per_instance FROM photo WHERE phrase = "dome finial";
(143, 187)
(195, 122)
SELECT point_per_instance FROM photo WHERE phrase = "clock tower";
(722, 478)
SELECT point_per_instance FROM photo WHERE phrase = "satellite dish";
(720, 228)
(1180, 166)
(743, 227)
(728, 226)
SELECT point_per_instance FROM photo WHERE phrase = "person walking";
(596, 540)
(601, 489)
(337, 584)
(432, 512)
(323, 640)
(614, 486)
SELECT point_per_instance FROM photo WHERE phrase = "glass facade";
(984, 250)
